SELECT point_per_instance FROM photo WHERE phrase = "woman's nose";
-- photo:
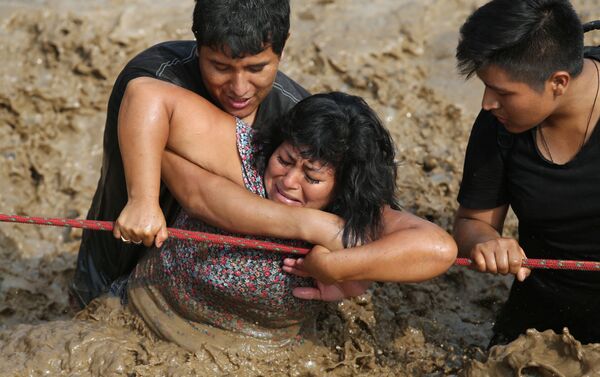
(291, 178)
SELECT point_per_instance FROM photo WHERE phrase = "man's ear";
(559, 82)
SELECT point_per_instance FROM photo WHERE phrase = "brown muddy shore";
(59, 60)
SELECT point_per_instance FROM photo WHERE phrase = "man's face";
(515, 104)
(239, 85)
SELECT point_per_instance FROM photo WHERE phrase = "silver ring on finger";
(125, 239)
(137, 242)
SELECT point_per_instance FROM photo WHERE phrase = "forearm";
(411, 250)
(470, 232)
(412, 255)
(473, 227)
(224, 204)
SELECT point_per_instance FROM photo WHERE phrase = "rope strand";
(269, 246)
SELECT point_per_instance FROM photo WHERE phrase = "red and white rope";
(269, 246)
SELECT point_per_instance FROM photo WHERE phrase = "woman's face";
(295, 181)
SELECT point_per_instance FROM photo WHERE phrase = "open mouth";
(238, 103)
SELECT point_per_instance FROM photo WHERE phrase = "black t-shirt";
(558, 208)
(102, 259)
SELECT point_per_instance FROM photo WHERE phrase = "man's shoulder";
(592, 52)
(172, 61)
(486, 133)
(287, 89)
(161, 57)
(284, 95)
(486, 123)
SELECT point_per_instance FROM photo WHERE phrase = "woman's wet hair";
(342, 131)
(529, 39)
(242, 27)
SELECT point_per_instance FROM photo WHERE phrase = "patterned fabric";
(234, 289)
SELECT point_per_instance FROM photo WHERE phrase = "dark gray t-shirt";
(102, 259)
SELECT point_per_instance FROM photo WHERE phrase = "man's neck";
(573, 111)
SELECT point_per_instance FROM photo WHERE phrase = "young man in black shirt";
(533, 147)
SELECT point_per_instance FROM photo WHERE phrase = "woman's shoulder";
(247, 150)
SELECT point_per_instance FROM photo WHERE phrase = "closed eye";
(283, 162)
(256, 68)
(311, 180)
(220, 67)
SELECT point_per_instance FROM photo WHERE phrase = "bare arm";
(155, 115)
(410, 250)
(478, 234)
(229, 206)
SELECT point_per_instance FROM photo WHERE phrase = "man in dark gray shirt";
(234, 64)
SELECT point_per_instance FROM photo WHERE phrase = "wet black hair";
(244, 27)
(343, 132)
(529, 39)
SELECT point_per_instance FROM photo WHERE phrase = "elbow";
(191, 209)
(444, 251)
(193, 206)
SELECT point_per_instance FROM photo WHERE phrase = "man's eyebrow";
(216, 61)
(497, 88)
(258, 65)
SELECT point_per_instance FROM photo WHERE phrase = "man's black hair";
(342, 131)
(245, 27)
(530, 39)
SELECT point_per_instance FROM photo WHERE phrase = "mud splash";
(60, 58)
(545, 354)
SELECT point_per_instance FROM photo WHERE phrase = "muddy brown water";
(59, 60)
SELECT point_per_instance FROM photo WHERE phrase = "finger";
(295, 271)
(490, 263)
(145, 234)
(148, 239)
(116, 231)
(307, 293)
(293, 262)
(162, 236)
(478, 262)
(515, 262)
(125, 238)
(523, 274)
(517, 256)
(289, 262)
(502, 264)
